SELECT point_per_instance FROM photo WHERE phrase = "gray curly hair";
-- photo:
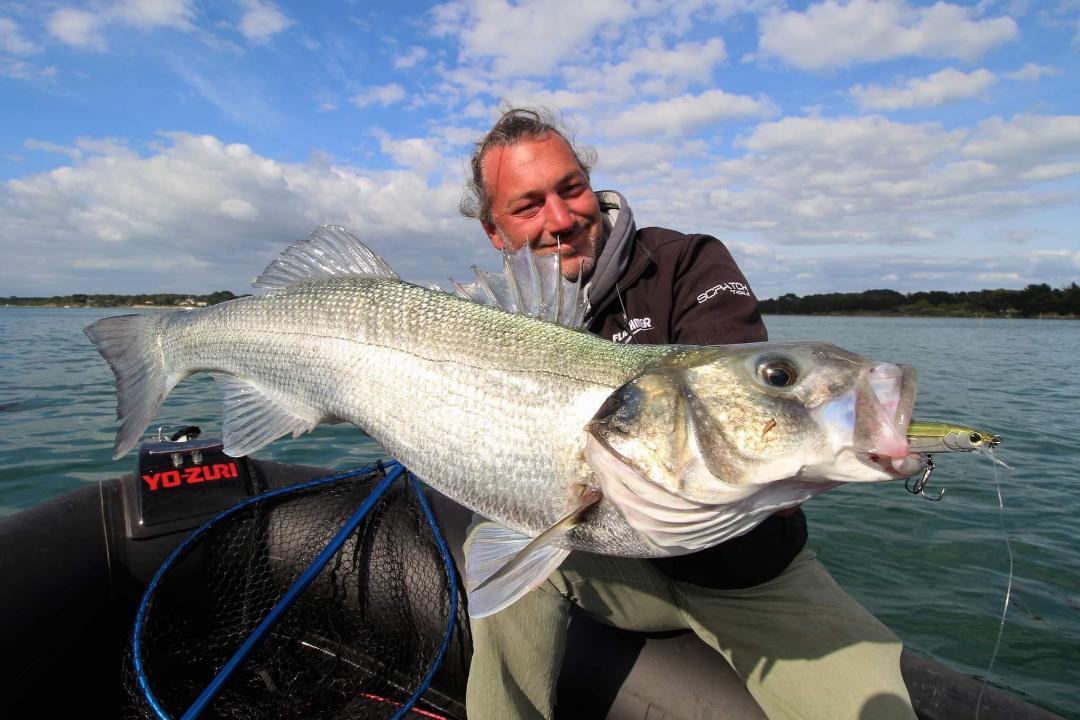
(516, 125)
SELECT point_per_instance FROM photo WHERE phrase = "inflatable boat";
(75, 569)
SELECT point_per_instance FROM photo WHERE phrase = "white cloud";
(998, 277)
(1052, 171)
(72, 153)
(238, 209)
(22, 70)
(234, 94)
(262, 20)
(78, 28)
(686, 60)
(12, 40)
(682, 114)
(418, 154)
(655, 70)
(528, 38)
(410, 58)
(219, 212)
(941, 87)
(148, 14)
(1033, 72)
(380, 94)
(1026, 139)
(829, 142)
(83, 28)
(831, 34)
(860, 182)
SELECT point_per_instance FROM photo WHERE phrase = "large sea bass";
(560, 436)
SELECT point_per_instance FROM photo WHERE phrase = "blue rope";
(140, 671)
(451, 619)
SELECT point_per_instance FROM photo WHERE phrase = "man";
(804, 648)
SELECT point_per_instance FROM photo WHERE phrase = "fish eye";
(975, 438)
(777, 373)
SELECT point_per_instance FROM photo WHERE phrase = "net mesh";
(356, 644)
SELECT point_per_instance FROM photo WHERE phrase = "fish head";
(714, 426)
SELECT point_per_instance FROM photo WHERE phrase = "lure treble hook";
(919, 487)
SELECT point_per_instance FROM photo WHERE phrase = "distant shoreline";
(56, 306)
(982, 316)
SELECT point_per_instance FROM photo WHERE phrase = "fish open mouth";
(883, 412)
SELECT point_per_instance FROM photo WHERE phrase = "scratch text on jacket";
(735, 288)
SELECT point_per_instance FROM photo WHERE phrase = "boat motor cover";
(179, 485)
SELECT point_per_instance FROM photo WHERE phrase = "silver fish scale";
(486, 406)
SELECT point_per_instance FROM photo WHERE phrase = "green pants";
(804, 647)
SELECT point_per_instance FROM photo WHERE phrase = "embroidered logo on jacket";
(735, 288)
(635, 325)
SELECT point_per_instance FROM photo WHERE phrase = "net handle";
(207, 696)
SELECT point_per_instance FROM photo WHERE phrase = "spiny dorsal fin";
(529, 285)
(328, 251)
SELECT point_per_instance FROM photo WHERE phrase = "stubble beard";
(580, 264)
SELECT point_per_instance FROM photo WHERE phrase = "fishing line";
(626, 318)
(1008, 586)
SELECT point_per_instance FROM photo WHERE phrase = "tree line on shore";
(162, 299)
(1033, 301)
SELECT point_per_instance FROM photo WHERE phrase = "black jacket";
(687, 289)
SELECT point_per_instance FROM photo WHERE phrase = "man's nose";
(559, 219)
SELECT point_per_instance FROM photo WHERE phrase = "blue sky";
(173, 145)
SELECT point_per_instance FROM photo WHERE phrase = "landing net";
(364, 639)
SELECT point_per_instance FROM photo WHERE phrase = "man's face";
(541, 196)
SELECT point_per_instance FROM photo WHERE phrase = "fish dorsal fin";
(531, 285)
(252, 419)
(328, 251)
(501, 565)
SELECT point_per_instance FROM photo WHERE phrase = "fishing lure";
(932, 436)
(942, 436)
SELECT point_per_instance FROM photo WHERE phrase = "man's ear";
(493, 234)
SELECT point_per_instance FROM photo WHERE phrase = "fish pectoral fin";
(501, 565)
(252, 419)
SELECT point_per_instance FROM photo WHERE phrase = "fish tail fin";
(130, 344)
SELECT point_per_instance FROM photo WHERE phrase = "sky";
(178, 146)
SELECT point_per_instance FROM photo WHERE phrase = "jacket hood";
(619, 231)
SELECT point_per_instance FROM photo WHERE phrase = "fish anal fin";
(252, 419)
(502, 565)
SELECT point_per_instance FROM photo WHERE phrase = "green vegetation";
(158, 299)
(1033, 301)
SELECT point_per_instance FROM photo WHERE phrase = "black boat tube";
(72, 577)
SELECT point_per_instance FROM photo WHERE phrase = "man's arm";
(712, 301)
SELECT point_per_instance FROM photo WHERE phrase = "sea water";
(936, 573)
